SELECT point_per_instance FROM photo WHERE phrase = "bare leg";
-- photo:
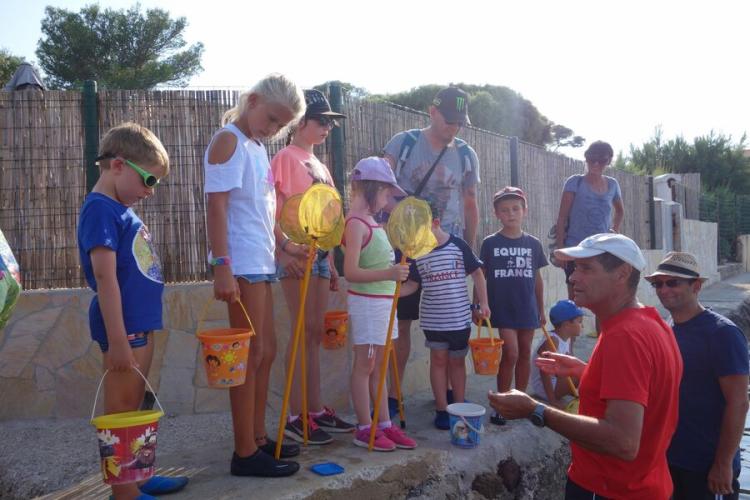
(523, 363)
(457, 369)
(508, 359)
(268, 354)
(402, 347)
(360, 383)
(438, 380)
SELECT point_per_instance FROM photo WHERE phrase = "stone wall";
(49, 367)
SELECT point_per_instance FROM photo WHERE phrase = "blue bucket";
(466, 424)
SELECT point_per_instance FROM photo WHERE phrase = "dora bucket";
(486, 351)
(127, 441)
(225, 352)
(335, 329)
(465, 424)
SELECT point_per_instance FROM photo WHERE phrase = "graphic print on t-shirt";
(146, 257)
(313, 170)
(519, 262)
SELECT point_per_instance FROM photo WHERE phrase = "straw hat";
(679, 265)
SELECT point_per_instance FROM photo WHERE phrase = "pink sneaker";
(382, 443)
(399, 437)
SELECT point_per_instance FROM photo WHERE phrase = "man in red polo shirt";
(629, 389)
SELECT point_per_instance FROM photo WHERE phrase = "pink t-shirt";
(295, 170)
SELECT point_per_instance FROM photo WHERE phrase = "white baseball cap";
(618, 245)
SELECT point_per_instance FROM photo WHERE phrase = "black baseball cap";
(318, 105)
(453, 104)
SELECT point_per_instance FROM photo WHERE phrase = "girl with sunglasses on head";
(296, 168)
(240, 225)
(587, 204)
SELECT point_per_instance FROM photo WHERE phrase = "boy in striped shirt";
(445, 311)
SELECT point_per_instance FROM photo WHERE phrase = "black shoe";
(287, 450)
(315, 435)
(497, 419)
(261, 464)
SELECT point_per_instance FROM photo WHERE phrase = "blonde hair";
(136, 143)
(275, 88)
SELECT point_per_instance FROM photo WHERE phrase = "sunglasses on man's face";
(149, 179)
(325, 121)
(671, 283)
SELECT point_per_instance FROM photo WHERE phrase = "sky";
(608, 70)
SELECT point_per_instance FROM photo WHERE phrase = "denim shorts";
(258, 278)
(320, 267)
(456, 341)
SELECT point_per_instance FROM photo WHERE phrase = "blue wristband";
(220, 261)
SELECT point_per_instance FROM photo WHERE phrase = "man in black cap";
(704, 456)
(432, 163)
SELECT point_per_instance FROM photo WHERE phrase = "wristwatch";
(537, 416)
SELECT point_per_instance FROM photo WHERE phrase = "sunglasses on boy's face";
(671, 283)
(149, 179)
(325, 121)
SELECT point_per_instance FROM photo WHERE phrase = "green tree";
(8, 65)
(499, 109)
(118, 48)
(720, 161)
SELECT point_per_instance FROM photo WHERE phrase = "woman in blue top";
(587, 203)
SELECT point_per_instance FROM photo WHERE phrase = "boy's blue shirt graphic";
(510, 268)
(107, 223)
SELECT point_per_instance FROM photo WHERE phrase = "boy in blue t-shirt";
(512, 260)
(121, 266)
(445, 311)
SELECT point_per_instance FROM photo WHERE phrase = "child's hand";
(542, 319)
(292, 266)
(399, 272)
(120, 356)
(334, 285)
(297, 250)
(226, 287)
(484, 311)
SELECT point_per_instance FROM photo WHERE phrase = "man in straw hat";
(704, 457)
(628, 389)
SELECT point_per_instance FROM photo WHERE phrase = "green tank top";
(376, 254)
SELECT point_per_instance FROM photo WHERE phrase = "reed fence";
(43, 178)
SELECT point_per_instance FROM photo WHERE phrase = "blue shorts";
(258, 278)
(320, 267)
(135, 340)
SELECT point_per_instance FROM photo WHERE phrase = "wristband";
(220, 261)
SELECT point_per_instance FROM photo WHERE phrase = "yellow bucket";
(127, 441)
(225, 352)
(335, 328)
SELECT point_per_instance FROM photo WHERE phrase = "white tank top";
(563, 347)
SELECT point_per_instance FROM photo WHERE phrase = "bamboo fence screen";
(43, 178)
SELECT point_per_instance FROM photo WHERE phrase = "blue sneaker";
(163, 485)
(442, 421)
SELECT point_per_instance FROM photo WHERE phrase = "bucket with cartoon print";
(127, 441)
(335, 329)
(486, 351)
(465, 424)
(224, 352)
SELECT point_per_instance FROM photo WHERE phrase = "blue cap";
(563, 311)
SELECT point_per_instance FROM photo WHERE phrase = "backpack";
(464, 151)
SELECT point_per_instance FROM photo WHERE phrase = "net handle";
(202, 317)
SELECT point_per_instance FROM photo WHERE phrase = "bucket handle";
(466, 422)
(202, 317)
(96, 398)
(486, 323)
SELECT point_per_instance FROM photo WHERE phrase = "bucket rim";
(336, 312)
(466, 410)
(127, 419)
(225, 334)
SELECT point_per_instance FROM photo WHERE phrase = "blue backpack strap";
(410, 139)
(465, 156)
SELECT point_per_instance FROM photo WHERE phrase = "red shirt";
(636, 359)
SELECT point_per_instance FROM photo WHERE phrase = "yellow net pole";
(299, 327)
(552, 348)
(384, 363)
(397, 381)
